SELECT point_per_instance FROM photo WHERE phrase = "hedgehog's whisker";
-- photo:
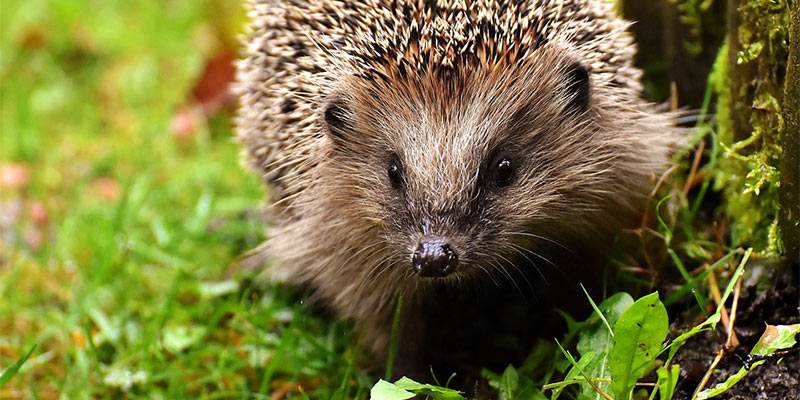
(499, 266)
(524, 276)
(521, 250)
(533, 235)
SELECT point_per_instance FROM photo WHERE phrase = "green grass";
(115, 252)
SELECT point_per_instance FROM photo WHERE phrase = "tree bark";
(790, 142)
(740, 76)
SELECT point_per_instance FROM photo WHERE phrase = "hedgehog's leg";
(411, 359)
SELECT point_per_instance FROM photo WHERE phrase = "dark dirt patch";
(777, 305)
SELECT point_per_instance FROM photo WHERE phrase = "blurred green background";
(123, 210)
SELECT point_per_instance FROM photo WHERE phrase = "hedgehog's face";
(458, 174)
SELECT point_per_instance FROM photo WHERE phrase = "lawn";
(124, 208)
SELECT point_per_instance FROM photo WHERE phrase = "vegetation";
(122, 210)
(124, 213)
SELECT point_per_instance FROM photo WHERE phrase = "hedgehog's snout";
(434, 258)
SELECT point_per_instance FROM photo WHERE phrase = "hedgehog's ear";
(578, 88)
(336, 116)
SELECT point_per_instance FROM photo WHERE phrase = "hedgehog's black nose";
(434, 258)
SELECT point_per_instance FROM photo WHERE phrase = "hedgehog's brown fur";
(441, 85)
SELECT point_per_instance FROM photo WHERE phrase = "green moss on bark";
(749, 82)
(790, 159)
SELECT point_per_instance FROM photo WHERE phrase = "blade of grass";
(597, 310)
(393, 342)
(583, 374)
(694, 281)
(687, 277)
(6, 375)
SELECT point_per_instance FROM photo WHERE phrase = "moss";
(749, 85)
(790, 159)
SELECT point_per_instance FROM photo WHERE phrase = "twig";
(673, 96)
(715, 293)
(661, 180)
(707, 376)
(695, 164)
(731, 341)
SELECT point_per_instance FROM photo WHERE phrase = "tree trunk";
(751, 124)
(790, 161)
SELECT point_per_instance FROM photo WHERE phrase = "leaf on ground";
(14, 175)
(507, 384)
(407, 387)
(210, 290)
(388, 391)
(185, 122)
(181, 337)
(775, 337)
(576, 373)
(667, 380)
(436, 392)
(597, 339)
(212, 88)
(638, 336)
(123, 378)
(106, 189)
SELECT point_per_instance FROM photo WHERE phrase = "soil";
(775, 379)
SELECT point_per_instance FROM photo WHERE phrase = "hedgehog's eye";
(503, 172)
(395, 173)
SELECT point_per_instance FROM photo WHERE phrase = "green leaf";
(775, 337)
(123, 378)
(388, 391)
(210, 290)
(572, 375)
(9, 373)
(436, 392)
(722, 387)
(597, 339)
(406, 388)
(509, 383)
(179, 338)
(667, 380)
(638, 336)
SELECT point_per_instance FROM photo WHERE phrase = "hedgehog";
(459, 157)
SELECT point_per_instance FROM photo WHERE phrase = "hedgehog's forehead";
(406, 38)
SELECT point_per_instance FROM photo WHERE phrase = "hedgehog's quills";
(461, 153)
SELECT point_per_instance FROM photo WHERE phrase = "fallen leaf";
(184, 123)
(39, 213)
(106, 188)
(14, 175)
(212, 88)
